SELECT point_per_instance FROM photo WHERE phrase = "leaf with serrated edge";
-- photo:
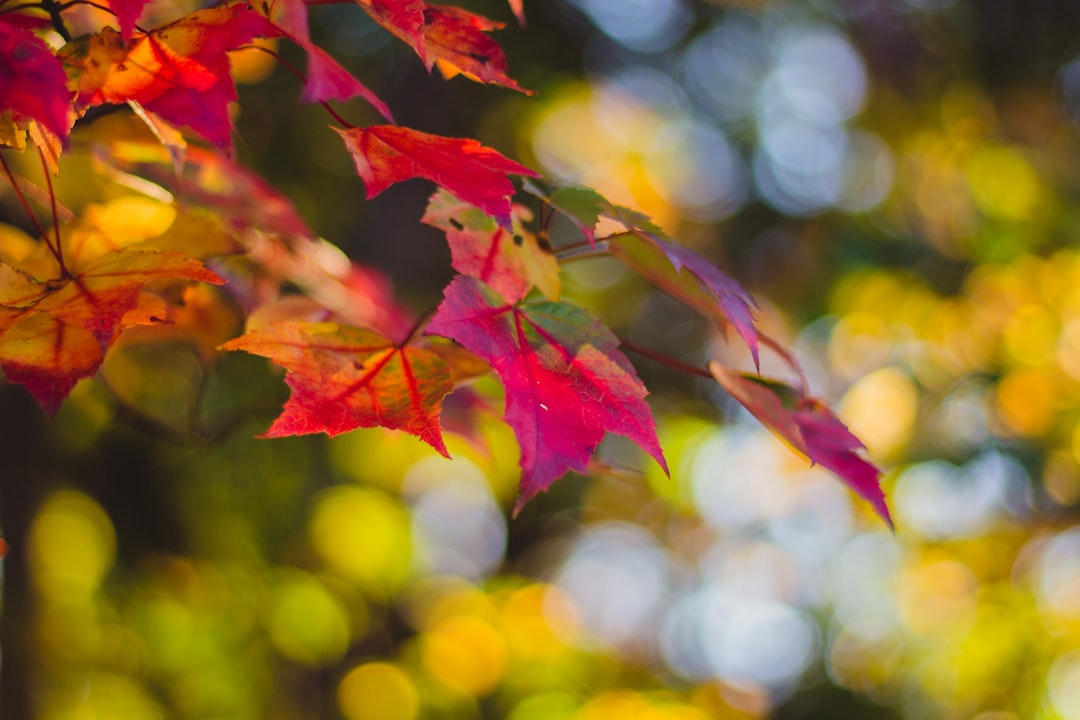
(459, 38)
(388, 154)
(179, 71)
(809, 427)
(343, 378)
(49, 342)
(511, 263)
(403, 18)
(684, 274)
(567, 383)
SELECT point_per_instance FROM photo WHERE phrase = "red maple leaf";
(387, 154)
(33, 85)
(458, 39)
(567, 384)
(179, 71)
(403, 18)
(53, 333)
(510, 262)
(327, 79)
(809, 427)
(343, 378)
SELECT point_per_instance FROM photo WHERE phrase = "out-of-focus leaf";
(809, 427)
(34, 85)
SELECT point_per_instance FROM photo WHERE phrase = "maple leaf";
(343, 378)
(511, 263)
(458, 40)
(649, 251)
(567, 384)
(387, 154)
(684, 274)
(403, 18)
(179, 71)
(327, 79)
(33, 85)
(54, 333)
(809, 427)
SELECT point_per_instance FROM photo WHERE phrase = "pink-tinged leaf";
(33, 84)
(459, 39)
(684, 274)
(387, 154)
(567, 384)
(511, 263)
(327, 80)
(809, 427)
(127, 14)
(518, 8)
(291, 17)
(343, 378)
(403, 18)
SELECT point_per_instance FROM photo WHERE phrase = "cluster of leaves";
(353, 359)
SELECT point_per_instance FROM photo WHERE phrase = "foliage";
(894, 182)
(566, 383)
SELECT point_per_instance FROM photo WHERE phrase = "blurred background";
(895, 182)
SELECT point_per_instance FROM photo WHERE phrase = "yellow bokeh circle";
(378, 691)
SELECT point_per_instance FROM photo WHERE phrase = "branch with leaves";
(353, 358)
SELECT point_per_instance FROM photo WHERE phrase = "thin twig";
(59, 251)
(292, 68)
(667, 360)
(30, 213)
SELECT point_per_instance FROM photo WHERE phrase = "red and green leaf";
(343, 378)
(388, 154)
(511, 263)
(808, 426)
(567, 383)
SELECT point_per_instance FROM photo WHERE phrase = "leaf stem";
(581, 251)
(54, 9)
(292, 68)
(59, 251)
(666, 360)
(33, 218)
(418, 326)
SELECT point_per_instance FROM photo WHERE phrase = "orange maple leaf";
(55, 332)
(179, 71)
(345, 377)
